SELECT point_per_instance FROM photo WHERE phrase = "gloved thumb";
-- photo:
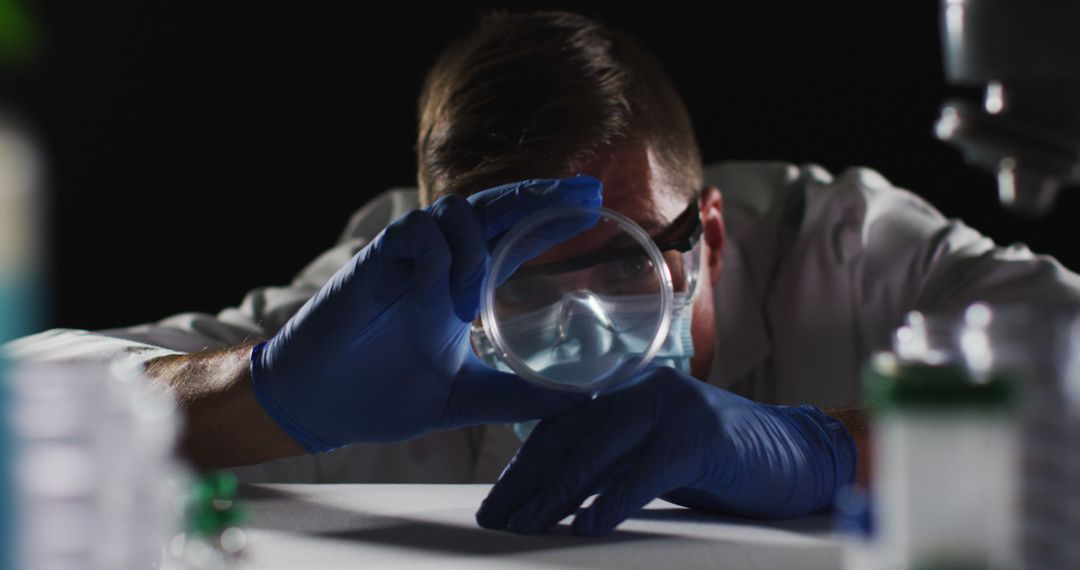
(483, 395)
(501, 208)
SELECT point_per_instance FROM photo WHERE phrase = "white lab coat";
(818, 271)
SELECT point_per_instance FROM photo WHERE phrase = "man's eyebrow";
(651, 227)
(622, 241)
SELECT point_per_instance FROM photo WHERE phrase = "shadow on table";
(448, 538)
(281, 510)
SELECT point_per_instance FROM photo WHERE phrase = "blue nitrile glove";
(382, 352)
(669, 435)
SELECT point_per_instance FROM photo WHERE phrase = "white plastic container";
(96, 481)
(20, 291)
(946, 458)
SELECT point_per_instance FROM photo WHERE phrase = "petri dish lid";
(576, 299)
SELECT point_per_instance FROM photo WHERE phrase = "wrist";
(830, 449)
(261, 386)
(224, 424)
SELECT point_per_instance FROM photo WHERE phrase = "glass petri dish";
(576, 299)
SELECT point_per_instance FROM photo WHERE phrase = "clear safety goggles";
(619, 272)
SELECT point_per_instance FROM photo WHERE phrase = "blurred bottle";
(98, 488)
(854, 525)
(20, 236)
(1050, 441)
(1036, 345)
(944, 439)
(1066, 454)
(20, 295)
(214, 538)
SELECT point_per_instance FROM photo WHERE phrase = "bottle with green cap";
(214, 539)
(944, 441)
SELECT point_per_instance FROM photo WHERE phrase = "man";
(806, 274)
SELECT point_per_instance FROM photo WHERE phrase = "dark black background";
(198, 150)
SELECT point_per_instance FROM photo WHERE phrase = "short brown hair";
(528, 95)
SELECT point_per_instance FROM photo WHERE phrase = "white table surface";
(432, 526)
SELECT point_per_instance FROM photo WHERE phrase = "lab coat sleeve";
(261, 313)
(914, 258)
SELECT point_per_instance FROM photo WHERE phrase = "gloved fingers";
(587, 470)
(552, 440)
(461, 227)
(529, 520)
(501, 207)
(650, 477)
(416, 241)
(482, 395)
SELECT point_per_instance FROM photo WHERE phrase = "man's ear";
(711, 205)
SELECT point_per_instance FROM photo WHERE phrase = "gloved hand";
(667, 434)
(382, 352)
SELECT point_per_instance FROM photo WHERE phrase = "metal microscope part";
(1027, 55)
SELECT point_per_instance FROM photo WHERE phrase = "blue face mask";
(678, 347)
(593, 332)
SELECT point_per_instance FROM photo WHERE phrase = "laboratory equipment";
(589, 312)
(98, 486)
(1050, 436)
(945, 446)
(854, 524)
(1024, 54)
(214, 538)
(20, 248)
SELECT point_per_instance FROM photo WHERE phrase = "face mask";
(608, 335)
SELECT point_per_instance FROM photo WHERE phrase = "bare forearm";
(224, 423)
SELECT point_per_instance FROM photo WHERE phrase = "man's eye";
(526, 294)
(628, 276)
(633, 267)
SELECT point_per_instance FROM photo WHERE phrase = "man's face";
(638, 186)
